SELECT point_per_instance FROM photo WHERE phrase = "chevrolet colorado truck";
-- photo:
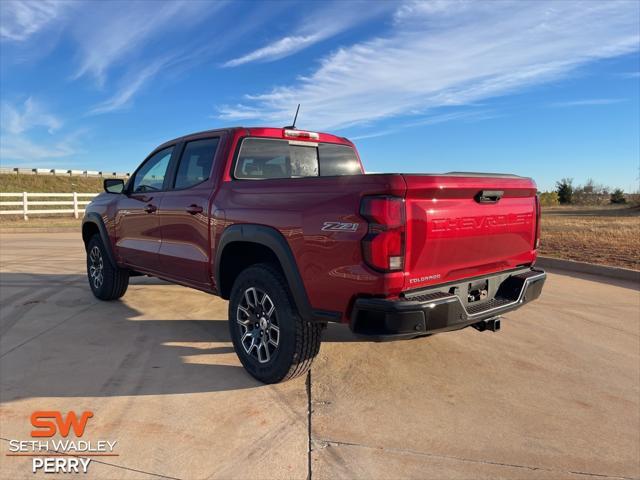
(285, 225)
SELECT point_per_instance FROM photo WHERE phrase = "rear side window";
(338, 160)
(195, 163)
(265, 158)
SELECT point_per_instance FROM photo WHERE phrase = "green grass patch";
(49, 184)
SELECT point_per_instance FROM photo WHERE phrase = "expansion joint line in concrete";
(309, 411)
(329, 443)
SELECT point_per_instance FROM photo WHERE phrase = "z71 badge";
(339, 227)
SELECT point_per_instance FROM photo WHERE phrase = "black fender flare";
(96, 219)
(275, 241)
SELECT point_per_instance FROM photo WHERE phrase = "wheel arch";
(92, 224)
(258, 242)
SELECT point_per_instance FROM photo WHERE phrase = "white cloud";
(280, 48)
(31, 114)
(23, 149)
(465, 116)
(130, 86)
(21, 138)
(125, 41)
(241, 112)
(22, 19)
(423, 9)
(587, 102)
(111, 37)
(479, 50)
(107, 38)
(112, 33)
(128, 43)
(328, 21)
(121, 45)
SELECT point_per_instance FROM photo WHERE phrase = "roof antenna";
(293, 126)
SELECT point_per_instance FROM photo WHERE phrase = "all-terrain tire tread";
(116, 280)
(307, 334)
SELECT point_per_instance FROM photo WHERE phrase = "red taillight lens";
(383, 246)
(538, 222)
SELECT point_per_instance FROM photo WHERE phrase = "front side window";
(150, 177)
(195, 164)
(263, 158)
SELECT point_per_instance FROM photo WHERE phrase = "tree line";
(591, 193)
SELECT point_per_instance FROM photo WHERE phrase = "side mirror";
(114, 185)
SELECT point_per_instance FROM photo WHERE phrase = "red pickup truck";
(285, 225)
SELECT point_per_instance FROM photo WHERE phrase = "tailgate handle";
(489, 196)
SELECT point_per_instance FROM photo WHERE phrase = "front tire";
(271, 339)
(106, 281)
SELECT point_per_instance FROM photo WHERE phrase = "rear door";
(137, 227)
(467, 225)
(184, 214)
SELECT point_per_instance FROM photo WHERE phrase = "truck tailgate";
(467, 225)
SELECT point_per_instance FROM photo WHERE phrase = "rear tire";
(271, 339)
(107, 282)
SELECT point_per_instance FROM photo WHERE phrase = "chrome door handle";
(150, 208)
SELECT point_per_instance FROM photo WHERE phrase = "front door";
(185, 252)
(137, 226)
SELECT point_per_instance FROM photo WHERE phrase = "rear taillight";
(538, 218)
(383, 246)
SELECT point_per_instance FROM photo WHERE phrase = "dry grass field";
(603, 235)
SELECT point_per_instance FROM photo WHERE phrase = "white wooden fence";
(74, 203)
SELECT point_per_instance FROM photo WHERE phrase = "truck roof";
(268, 132)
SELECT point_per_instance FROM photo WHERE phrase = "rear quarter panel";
(330, 262)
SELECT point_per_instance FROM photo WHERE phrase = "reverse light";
(301, 134)
(383, 247)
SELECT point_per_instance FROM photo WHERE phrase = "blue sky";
(543, 89)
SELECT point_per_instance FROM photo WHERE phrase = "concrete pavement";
(555, 394)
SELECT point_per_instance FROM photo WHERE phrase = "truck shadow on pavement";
(57, 340)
